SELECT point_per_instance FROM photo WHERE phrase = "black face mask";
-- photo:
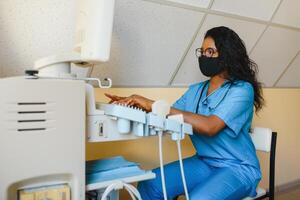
(209, 66)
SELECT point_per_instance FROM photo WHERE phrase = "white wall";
(32, 29)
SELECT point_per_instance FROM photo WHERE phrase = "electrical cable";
(133, 192)
(108, 190)
(91, 70)
(162, 174)
(182, 170)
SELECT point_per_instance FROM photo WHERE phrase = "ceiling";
(154, 40)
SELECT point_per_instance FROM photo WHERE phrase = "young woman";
(220, 110)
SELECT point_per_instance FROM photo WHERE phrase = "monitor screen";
(94, 30)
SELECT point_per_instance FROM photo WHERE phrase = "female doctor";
(220, 110)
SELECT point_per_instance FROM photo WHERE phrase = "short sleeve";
(236, 107)
(188, 96)
(181, 102)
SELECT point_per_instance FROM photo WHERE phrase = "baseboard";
(287, 186)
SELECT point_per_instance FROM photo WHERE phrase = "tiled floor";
(293, 194)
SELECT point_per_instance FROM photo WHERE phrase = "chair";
(265, 140)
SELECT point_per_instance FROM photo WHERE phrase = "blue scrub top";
(231, 147)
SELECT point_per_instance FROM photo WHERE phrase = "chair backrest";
(262, 138)
(265, 140)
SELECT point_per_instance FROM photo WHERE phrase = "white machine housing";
(94, 30)
(42, 126)
(93, 41)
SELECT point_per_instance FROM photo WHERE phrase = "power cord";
(162, 173)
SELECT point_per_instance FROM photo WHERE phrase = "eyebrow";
(208, 48)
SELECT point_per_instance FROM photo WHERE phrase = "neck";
(216, 81)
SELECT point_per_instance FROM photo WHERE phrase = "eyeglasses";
(209, 52)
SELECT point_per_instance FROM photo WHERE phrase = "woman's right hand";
(133, 100)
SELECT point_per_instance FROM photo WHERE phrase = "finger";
(114, 97)
(108, 95)
(119, 102)
(132, 103)
(125, 101)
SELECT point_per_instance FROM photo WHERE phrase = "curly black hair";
(234, 58)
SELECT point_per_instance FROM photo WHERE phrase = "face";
(209, 48)
(208, 59)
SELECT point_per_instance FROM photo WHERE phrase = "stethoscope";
(201, 94)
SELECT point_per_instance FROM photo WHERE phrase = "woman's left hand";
(133, 100)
